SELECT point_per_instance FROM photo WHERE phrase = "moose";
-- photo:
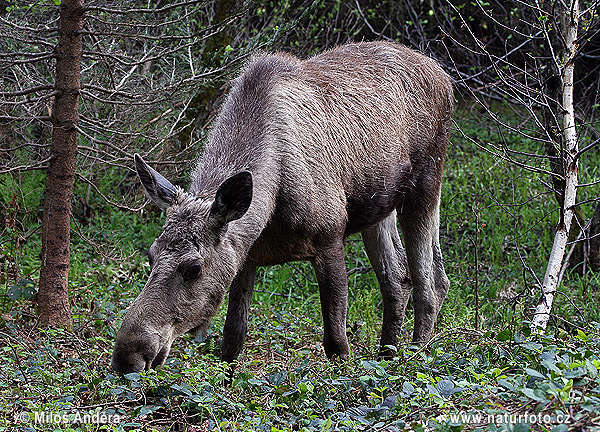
(303, 154)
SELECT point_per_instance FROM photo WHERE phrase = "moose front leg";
(236, 323)
(333, 289)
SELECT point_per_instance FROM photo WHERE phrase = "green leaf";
(534, 373)
(582, 336)
(530, 393)
(591, 368)
(374, 365)
(407, 389)
(504, 335)
(521, 427)
(445, 387)
(551, 366)
(147, 409)
(433, 390)
(133, 376)
(278, 378)
(305, 387)
(577, 372)
(506, 384)
(532, 346)
(526, 329)
(182, 389)
(15, 292)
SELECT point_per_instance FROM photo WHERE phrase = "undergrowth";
(460, 380)
(487, 373)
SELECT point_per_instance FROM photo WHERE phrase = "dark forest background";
(151, 78)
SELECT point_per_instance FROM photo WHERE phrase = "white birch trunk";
(551, 278)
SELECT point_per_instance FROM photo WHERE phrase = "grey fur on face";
(302, 154)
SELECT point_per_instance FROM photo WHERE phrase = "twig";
(18, 360)
(27, 91)
(279, 294)
(442, 336)
(38, 165)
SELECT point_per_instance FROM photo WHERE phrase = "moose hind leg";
(441, 281)
(420, 231)
(385, 251)
(330, 269)
(236, 323)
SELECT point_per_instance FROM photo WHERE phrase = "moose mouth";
(139, 350)
(134, 362)
(144, 352)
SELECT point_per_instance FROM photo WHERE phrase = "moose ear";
(232, 198)
(158, 189)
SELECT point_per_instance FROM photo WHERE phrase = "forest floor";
(483, 369)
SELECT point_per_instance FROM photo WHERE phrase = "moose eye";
(190, 270)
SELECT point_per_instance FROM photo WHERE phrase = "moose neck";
(244, 134)
(242, 140)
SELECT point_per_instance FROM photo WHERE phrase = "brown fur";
(322, 148)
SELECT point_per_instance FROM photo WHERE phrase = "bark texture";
(551, 278)
(594, 242)
(53, 297)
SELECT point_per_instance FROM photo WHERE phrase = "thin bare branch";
(27, 91)
(144, 11)
(35, 166)
(105, 198)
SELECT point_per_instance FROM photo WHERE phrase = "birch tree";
(570, 155)
(539, 62)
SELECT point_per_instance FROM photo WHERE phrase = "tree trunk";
(53, 296)
(555, 145)
(594, 240)
(551, 278)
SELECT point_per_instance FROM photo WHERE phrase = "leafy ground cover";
(463, 379)
(482, 370)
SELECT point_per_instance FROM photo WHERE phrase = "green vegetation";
(283, 381)
(152, 79)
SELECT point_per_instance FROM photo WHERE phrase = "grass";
(282, 380)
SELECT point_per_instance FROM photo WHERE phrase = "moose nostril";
(156, 358)
(125, 361)
(138, 350)
(125, 367)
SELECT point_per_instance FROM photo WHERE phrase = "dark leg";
(385, 251)
(236, 323)
(330, 268)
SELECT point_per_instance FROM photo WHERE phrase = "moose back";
(302, 154)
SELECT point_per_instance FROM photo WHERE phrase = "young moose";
(303, 153)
